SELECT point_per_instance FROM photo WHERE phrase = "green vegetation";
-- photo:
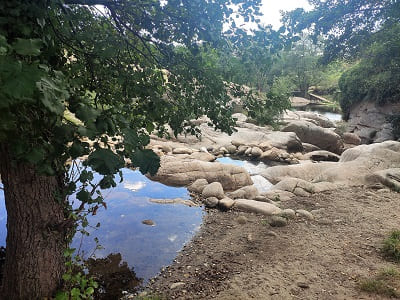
(386, 283)
(391, 246)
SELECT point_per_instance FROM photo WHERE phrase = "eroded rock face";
(310, 133)
(183, 172)
(369, 121)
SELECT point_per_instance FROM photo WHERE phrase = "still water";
(145, 248)
(329, 112)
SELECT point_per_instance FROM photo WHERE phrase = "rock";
(256, 152)
(239, 117)
(176, 285)
(321, 155)
(388, 177)
(296, 186)
(277, 221)
(289, 213)
(369, 120)
(203, 156)
(351, 138)
(310, 133)
(310, 147)
(182, 172)
(304, 214)
(182, 150)
(278, 195)
(271, 155)
(247, 192)
(288, 141)
(242, 149)
(257, 207)
(237, 143)
(198, 185)
(211, 202)
(166, 148)
(226, 203)
(242, 220)
(149, 222)
(318, 119)
(265, 146)
(213, 189)
(203, 149)
(261, 198)
(248, 151)
(231, 149)
(271, 233)
(223, 150)
(173, 201)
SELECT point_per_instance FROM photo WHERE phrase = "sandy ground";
(319, 259)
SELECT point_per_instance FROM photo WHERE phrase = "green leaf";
(35, 155)
(89, 291)
(62, 296)
(75, 292)
(83, 196)
(29, 47)
(105, 162)
(146, 160)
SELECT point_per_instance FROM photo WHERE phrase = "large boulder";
(183, 172)
(351, 138)
(388, 177)
(369, 120)
(312, 117)
(321, 155)
(354, 167)
(310, 133)
(288, 141)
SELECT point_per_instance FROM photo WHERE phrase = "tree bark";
(36, 239)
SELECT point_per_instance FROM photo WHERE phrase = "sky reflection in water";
(146, 248)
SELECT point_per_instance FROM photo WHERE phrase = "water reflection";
(331, 113)
(146, 248)
(254, 168)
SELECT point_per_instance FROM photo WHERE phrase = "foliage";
(77, 284)
(395, 121)
(391, 246)
(77, 81)
(345, 24)
(386, 283)
(377, 74)
(267, 109)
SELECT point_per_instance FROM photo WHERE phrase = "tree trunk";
(36, 238)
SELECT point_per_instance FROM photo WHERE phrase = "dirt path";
(319, 259)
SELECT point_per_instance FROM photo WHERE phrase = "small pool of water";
(145, 248)
(326, 111)
(254, 168)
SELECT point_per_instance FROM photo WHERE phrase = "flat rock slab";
(264, 208)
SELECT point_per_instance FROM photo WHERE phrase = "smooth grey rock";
(256, 152)
(257, 207)
(182, 150)
(289, 213)
(211, 202)
(226, 203)
(213, 189)
(304, 214)
(277, 221)
(198, 185)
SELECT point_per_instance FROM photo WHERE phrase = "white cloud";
(134, 186)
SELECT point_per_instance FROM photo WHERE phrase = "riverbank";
(237, 255)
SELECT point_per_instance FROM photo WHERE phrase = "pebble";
(176, 284)
(276, 221)
(242, 220)
(289, 213)
(305, 214)
(272, 233)
(149, 222)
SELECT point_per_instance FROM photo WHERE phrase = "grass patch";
(386, 283)
(391, 246)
